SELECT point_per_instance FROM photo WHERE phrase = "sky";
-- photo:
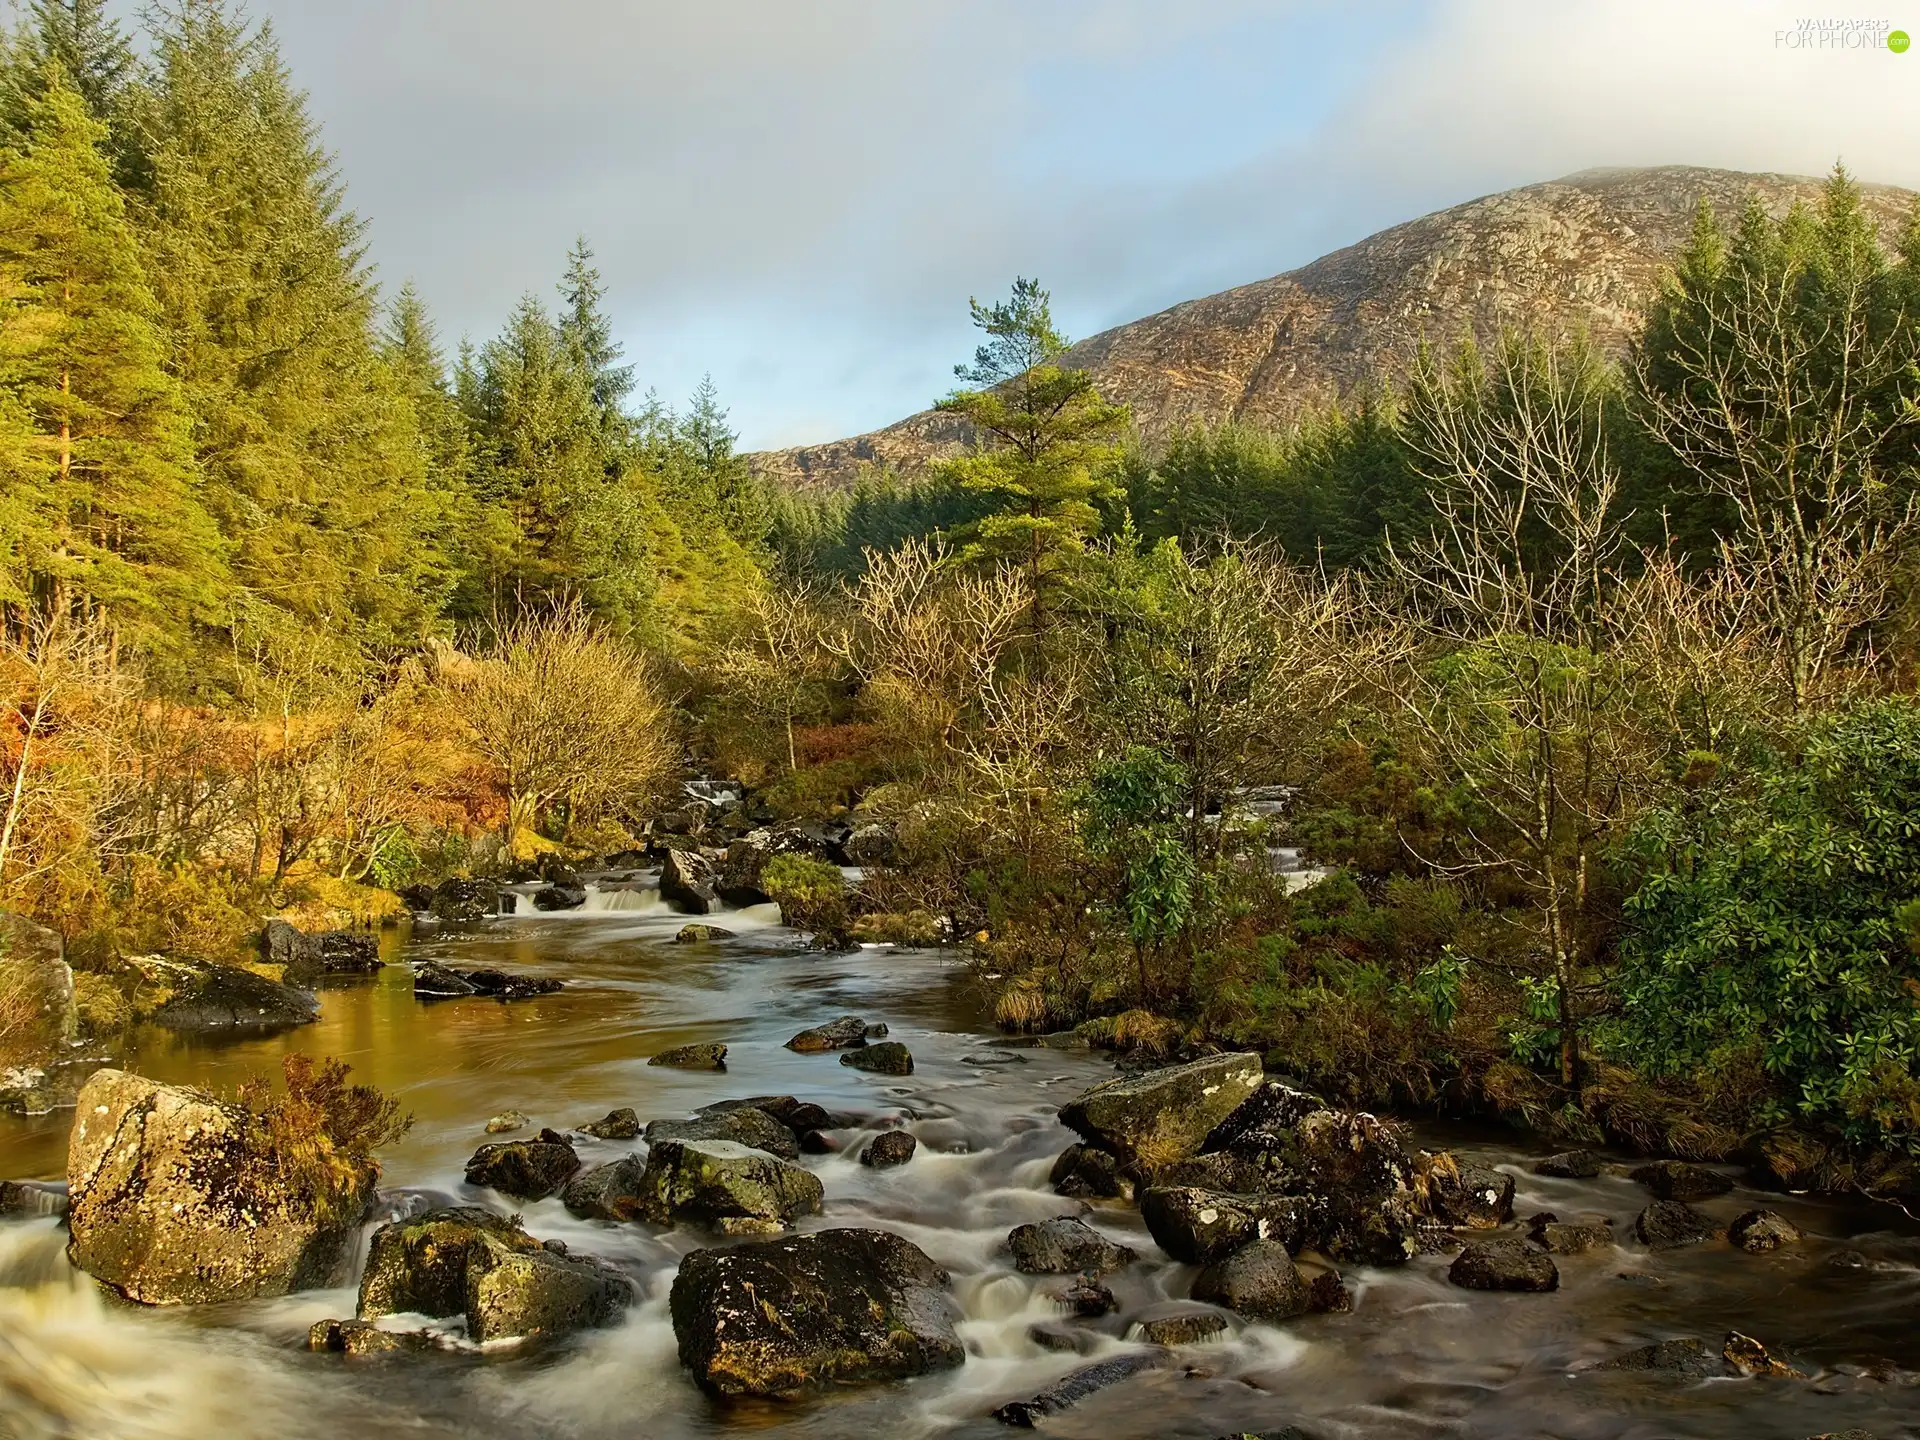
(799, 196)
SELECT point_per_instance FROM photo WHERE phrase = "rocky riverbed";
(1395, 1295)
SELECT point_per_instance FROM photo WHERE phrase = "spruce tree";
(101, 506)
(1048, 445)
(589, 333)
(312, 464)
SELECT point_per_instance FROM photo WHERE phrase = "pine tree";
(101, 504)
(312, 466)
(1049, 445)
(585, 327)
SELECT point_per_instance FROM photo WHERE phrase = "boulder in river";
(1570, 1165)
(725, 1187)
(797, 1115)
(1184, 1327)
(226, 1000)
(889, 1057)
(1556, 1238)
(1678, 1180)
(506, 1122)
(364, 1338)
(870, 844)
(1026, 1414)
(1503, 1265)
(888, 1149)
(1258, 1280)
(513, 1292)
(1197, 1226)
(1356, 1166)
(1082, 1172)
(326, 954)
(524, 1169)
(698, 934)
(613, 1191)
(711, 1056)
(1163, 1115)
(832, 1308)
(842, 1034)
(418, 1266)
(747, 1126)
(559, 897)
(456, 898)
(469, 1261)
(1085, 1297)
(1759, 1231)
(1470, 1196)
(1271, 1111)
(621, 1124)
(1687, 1357)
(1066, 1246)
(687, 882)
(1669, 1224)
(172, 1203)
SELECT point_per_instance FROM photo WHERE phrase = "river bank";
(1417, 1355)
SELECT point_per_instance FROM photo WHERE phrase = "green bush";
(1777, 920)
(811, 894)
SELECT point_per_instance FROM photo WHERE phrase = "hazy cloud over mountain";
(799, 198)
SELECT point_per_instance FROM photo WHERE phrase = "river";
(1417, 1357)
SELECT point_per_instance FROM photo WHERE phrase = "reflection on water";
(1417, 1357)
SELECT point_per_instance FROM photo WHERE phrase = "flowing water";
(1417, 1357)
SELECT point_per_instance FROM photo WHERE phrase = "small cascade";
(622, 900)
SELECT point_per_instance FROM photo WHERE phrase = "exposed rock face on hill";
(1587, 250)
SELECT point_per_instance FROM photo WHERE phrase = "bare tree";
(564, 713)
(780, 660)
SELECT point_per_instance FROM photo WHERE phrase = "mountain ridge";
(1587, 249)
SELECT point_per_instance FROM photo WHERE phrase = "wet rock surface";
(441, 982)
(1678, 1180)
(1760, 1231)
(692, 1057)
(833, 1308)
(1669, 1224)
(363, 1338)
(746, 1125)
(223, 999)
(310, 957)
(1503, 1265)
(1570, 1165)
(614, 1191)
(621, 1124)
(1258, 1280)
(1026, 1414)
(885, 1151)
(1187, 1328)
(1064, 1246)
(846, 1032)
(1084, 1172)
(724, 1186)
(464, 900)
(701, 934)
(688, 882)
(524, 1169)
(1558, 1238)
(889, 1057)
(1198, 1226)
(1474, 1197)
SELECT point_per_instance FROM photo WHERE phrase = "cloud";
(799, 198)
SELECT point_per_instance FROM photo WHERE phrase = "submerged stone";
(745, 1126)
(692, 1057)
(1504, 1265)
(889, 1057)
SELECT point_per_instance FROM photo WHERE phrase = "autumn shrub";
(315, 1138)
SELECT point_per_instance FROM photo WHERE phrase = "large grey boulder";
(1163, 1115)
(725, 1187)
(833, 1308)
(34, 972)
(418, 1266)
(1504, 1265)
(457, 899)
(224, 999)
(172, 1201)
(325, 954)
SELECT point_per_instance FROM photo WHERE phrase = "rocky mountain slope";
(1585, 250)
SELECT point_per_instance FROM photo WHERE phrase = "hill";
(1586, 250)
